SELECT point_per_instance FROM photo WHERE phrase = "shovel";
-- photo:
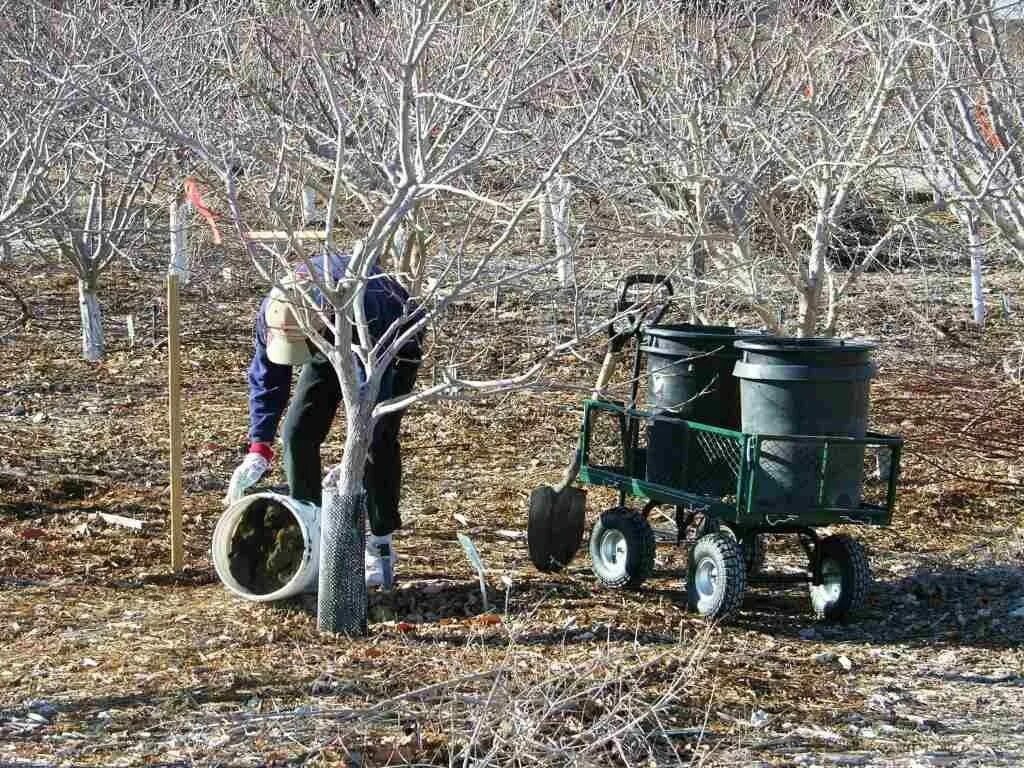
(557, 514)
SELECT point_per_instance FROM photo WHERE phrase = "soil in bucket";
(266, 547)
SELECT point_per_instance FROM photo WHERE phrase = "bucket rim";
(695, 331)
(721, 350)
(805, 344)
(230, 519)
(771, 372)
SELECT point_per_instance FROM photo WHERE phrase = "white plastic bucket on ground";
(305, 579)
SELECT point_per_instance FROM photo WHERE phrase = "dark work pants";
(313, 405)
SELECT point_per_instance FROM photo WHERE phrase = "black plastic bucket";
(809, 386)
(690, 372)
(690, 376)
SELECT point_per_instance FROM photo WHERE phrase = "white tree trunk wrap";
(309, 211)
(976, 248)
(561, 213)
(92, 322)
(178, 216)
(545, 215)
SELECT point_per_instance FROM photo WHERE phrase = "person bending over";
(280, 346)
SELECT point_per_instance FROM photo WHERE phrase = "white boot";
(380, 561)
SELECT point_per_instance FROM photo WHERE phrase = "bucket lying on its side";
(267, 547)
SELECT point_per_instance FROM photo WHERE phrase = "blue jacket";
(385, 301)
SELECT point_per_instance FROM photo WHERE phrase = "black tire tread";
(755, 559)
(731, 555)
(636, 529)
(860, 583)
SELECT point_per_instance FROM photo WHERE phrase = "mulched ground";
(108, 659)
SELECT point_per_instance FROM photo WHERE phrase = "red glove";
(263, 449)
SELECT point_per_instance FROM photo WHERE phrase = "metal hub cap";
(831, 582)
(705, 578)
(613, 552)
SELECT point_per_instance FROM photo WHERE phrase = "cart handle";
(622, 305)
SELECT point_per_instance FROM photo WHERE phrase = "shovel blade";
(555, 527)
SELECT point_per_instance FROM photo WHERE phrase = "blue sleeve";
(270, 385)
(387, 303)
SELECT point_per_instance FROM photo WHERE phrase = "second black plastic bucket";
(690, 376)
(808, 386)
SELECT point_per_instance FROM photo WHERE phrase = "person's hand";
(245, 476)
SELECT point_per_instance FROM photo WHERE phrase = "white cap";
(286, 342)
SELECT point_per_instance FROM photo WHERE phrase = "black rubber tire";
(632, 531)
(753, 557)
(720, 554)
(845, 559)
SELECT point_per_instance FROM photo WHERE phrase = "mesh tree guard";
(341, 596)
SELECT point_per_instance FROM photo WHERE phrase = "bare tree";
(405, 117)
(96, 212)
(751, 136)
(100, 170)
(964, 97)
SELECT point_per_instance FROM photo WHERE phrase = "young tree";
(964, 98)
(100, 169)
(95, 211)
(405, 115)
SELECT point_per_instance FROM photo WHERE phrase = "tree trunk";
(560, 210)
(976, 248)
(698, 269)
(92, 320)
(813, 279)
(807, 311)
(341, 596)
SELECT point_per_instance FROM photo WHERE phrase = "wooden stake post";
(174, 417)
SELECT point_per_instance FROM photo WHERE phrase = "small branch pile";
(615, 705)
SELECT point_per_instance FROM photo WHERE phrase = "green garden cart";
(744, 435)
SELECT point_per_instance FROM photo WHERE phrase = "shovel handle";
(620, 337)
(608, 365)
(617, 341)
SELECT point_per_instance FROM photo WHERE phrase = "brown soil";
(266, 547)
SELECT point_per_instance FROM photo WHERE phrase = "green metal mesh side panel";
(795, 476)
(878, 466)
(713, 464)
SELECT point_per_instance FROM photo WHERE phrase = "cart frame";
(744, 511)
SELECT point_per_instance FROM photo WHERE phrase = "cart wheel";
(753, 550)
(622, 548)
(846, 577)
(716, 577)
